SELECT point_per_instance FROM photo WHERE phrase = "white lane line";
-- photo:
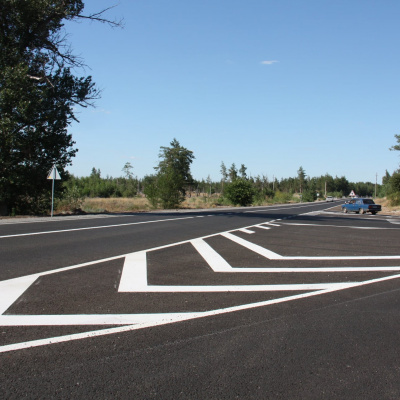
(232, 288)
(338, 226)
(244, 230)
(254, 247)
(214, 260)
(172, 318)
(83, 319)
(94, 227)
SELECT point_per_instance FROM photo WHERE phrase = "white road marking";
(11, 289)
(274, 256)
(134, 273)
(214, 260)
(254, 247)
(134, 277)
(94, 227)
(137, 273)
(173, 318)
(339, 226)
(244, 230)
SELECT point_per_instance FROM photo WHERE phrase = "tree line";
(172, 182)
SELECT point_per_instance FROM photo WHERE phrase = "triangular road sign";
(53, 174)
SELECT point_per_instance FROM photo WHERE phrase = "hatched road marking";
(134, 278)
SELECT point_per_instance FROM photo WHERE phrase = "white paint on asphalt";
(95, 227)
(134, 278)
(11, 289)
(214, 259)
(244, 230)
(173, 318)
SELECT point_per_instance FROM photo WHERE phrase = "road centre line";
(95, 227)
(165, 319)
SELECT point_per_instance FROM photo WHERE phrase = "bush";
(309, 196)
(394, 199)
(282, 197)
(240, 192)
(71, 200)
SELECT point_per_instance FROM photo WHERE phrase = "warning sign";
(53, 174)
(352, 194)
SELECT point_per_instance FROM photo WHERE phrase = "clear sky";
(272, 84)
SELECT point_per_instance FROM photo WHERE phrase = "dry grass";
(98, 205)
(386, 208)
(95, 205)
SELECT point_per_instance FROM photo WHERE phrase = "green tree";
(396, 146)
(173, 175)
(301, 175)
(127, 170)
(233, 173)
(242, 171)
(224, 174)
(38, 97)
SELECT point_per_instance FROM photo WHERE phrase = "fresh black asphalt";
(338, 345)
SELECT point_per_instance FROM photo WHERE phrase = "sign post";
(53, 175)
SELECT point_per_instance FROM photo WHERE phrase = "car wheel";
(373, 212)
(344, 209)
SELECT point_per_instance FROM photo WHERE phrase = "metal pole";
(52, 191)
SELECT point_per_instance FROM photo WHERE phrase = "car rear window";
(368, 201)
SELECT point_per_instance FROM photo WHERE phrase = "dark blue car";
(361, 206)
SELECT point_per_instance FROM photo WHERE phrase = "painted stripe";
(214, 260)
(167, 319)
(234, 288)
(94, 227)
(244, 230)
(11, 289)
(254, 247)
(134, 273)
(262, 227)
(274, 256)
(338, 226)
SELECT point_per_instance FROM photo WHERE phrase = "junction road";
(293, 301)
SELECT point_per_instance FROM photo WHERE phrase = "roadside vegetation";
(173, 187)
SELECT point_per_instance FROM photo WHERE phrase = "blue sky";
(274, 85)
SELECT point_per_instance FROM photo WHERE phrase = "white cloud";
(101, 111)
(269, 62)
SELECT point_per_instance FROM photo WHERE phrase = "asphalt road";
(284, 302)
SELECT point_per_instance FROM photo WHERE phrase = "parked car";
(361, 206)
(329, 198)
